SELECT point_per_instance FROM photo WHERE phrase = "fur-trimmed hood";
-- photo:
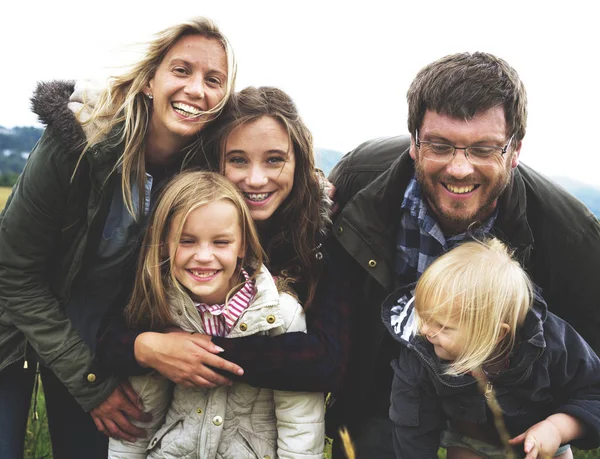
(325, 210)
(64, 105)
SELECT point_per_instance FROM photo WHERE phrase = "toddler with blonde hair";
(474, 311)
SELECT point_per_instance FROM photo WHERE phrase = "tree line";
(15, 145)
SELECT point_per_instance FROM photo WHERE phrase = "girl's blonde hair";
(480, 286)
(124, 102)
(188, 191)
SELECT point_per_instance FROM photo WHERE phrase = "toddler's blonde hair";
(481, 286)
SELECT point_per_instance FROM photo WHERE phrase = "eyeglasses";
(444, 152)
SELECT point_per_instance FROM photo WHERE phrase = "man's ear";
(413, 149)
(516, 154)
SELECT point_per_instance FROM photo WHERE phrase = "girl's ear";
(504, 330)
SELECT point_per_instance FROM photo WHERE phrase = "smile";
(257, 197)
(187, 110)
(203, 274)
(460, 189)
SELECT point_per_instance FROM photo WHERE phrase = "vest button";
(340, 230)
(372, 263)
(91, 377)
(271, 319)
(243, 326)
(217, 420)
(199, 411)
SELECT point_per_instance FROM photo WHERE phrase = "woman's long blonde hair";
(124, 102)
(481, 287)
(186, 192)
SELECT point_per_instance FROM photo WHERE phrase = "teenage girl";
(201, 271)
(475, 311)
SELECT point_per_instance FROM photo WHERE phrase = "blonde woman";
(475, 310)
(71, 229)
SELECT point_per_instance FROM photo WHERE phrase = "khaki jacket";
(240, 421)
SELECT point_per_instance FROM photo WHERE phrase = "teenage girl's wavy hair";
(149, 306)
(481, 286)
(124, 102)
(290, 236)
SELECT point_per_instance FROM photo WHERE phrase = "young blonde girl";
(201, 271)
(475, 311)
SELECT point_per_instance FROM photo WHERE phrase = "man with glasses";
(406, 200)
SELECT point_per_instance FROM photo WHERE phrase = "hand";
(184, 358)
(541, 440)
(111, 416)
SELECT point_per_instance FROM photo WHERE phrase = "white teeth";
(203, 273)
(257, 197)
(186, 110)
(460, 189)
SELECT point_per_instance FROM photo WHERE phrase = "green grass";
(4, 192)
(37, 437)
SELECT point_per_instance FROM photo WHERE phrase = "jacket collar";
(266, 303)
(374, 212)
(511, 224)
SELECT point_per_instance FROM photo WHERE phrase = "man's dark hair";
(461, 85)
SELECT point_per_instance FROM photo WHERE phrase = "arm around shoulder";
(315, 360)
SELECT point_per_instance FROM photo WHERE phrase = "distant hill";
(587, 194)
(326, 159)
(19, 139)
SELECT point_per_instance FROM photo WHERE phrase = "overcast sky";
(346, 64)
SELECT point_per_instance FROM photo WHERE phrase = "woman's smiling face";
(259, 160)
(190, 80)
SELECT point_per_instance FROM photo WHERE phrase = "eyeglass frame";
(502, 150)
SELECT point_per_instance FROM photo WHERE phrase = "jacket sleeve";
(415, 409)
(313, 361)
(575, 379)
(30, 228)
(300, 415)
(565, 259)
(155, 393)
(115, 346)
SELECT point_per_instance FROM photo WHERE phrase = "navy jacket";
(552, 370)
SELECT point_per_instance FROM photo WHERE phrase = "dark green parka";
(44, 231)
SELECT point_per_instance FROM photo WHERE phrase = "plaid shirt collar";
(219, 319)
(420, 239)
(414, 203)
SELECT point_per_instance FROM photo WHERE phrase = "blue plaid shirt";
(420, 239)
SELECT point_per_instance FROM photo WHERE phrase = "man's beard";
(457, 222)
